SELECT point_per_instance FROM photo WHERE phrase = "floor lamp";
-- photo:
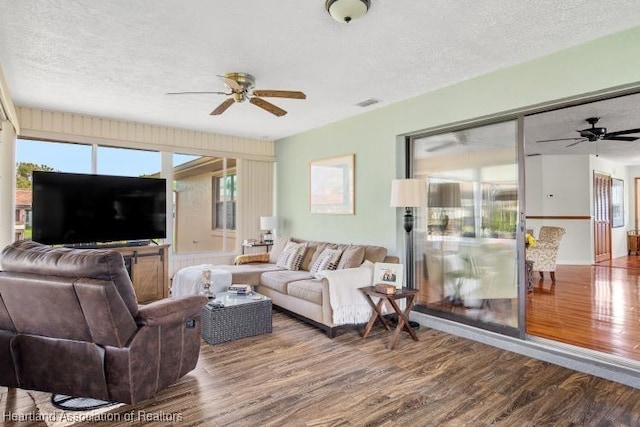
(408, 193)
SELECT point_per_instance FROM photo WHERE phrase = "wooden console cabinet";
(148, 267)
(633, 242)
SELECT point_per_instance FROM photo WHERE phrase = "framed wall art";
(331, 185)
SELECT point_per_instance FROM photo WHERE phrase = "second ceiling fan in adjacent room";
(594, 133)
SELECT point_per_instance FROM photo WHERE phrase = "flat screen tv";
(70, 208)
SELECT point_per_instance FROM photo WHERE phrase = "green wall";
(375, 139)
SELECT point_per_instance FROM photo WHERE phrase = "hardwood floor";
(595, 307)
(296, 376)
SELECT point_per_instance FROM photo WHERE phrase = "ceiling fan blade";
(586, 133)
(266, 105)
(620, 138)
(197, 93)
(280, 94)
(222, 107)
(561, 139)
(234, 85)
(577, 142)
(441, 146)
(623, 132)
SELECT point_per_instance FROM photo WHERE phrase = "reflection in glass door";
(465, 249)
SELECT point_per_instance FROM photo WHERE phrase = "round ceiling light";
(344, 11)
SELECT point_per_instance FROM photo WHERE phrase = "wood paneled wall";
(258, 157)
(59, 126)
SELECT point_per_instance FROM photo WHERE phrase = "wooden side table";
(403, 316)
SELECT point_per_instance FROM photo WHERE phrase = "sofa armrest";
(348, 304)
(170, 310)
(249, 258)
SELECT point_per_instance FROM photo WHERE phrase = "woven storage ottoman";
(241, 317)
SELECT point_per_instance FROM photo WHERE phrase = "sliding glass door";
(465, 241)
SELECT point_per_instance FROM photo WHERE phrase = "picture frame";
(387, 273)
(332, 185)
(617, 203)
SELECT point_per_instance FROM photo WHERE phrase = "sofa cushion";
(328, 260)
(310, 254)
(308, 290)
(248, 274)
(291, 256)
(278, 280)
(375, 253)
(352, 257)
(277, 248)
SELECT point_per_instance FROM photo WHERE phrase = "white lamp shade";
(345, 11)
(268, 222)
(408, 193)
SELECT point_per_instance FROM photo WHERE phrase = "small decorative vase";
(206, 284)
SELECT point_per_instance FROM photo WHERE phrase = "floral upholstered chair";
(545, 251)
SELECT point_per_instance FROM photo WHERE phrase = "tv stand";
(148, 269)
(109, 245)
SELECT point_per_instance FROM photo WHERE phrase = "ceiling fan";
(239, 85)
(597, 134)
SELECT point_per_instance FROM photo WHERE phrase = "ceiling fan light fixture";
(344, 11)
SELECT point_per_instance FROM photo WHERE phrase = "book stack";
(384, 288)
(240, 289)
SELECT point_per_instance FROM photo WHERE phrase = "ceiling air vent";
(367, 102)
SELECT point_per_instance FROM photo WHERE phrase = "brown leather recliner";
(70, 324)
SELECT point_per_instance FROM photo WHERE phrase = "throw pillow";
(328, 260)
(277, 248)
(291, 256)
(352, 257)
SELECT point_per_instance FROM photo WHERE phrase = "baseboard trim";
(595, 363)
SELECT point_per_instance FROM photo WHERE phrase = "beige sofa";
(297, 291)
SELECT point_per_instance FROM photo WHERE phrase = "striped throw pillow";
(291, 256)
(328, 260)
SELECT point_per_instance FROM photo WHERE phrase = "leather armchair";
(70, 324)
(545, 252)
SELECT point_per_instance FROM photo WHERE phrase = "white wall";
(560, 186)
(563, 186)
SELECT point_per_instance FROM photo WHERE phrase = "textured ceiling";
(117, 58)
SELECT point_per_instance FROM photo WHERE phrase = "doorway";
(570, 173)
(601, 216)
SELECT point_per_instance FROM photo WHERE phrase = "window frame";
(218, 199)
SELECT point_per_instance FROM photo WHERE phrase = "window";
(47, 156)
(196, 188)
(225, 192)
(465, 241)
(127, 162)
